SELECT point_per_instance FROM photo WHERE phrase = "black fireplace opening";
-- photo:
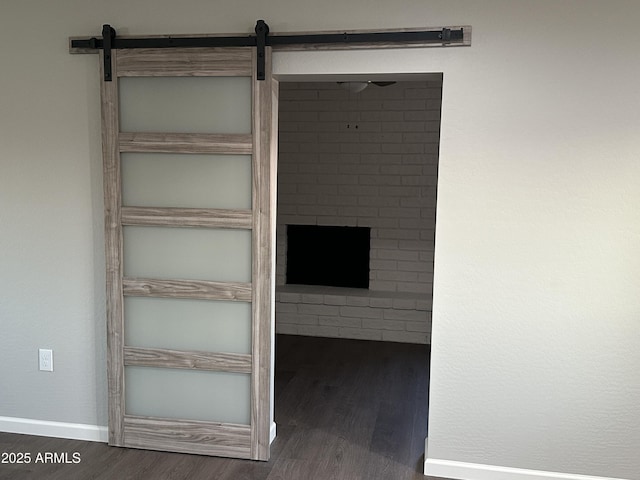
(328, 255)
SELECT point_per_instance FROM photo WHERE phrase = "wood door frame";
(240, 441)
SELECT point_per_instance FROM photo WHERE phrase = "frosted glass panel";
(188, 181)
(188, 394)
(185, 104)
(204, 325)
(187, 253)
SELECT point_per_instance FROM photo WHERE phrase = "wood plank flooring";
(345, 410)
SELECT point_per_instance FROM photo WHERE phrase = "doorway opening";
(360, 160)
(367, 159)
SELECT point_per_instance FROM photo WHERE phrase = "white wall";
(536, 311)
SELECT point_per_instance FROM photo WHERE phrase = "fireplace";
(328, 255)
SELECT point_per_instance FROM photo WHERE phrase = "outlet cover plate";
(45, 359)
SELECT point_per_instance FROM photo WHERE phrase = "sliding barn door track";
(444, 36)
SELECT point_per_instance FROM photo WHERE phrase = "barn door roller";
(262, 39)
(108, 36)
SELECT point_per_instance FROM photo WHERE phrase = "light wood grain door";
(189, 146)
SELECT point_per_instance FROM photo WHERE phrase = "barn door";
(189, 176)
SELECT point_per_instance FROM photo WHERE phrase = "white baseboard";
(477, 471)
(426, 453)
(74, 431)
(272, 435)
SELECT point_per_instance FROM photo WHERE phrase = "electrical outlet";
(45, 359)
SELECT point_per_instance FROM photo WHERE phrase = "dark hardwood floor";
(345, 410)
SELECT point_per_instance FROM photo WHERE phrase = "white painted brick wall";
(367, 159)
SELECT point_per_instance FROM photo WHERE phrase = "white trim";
(272, 434)
(426, 454)
(476, 471)
(74, 431)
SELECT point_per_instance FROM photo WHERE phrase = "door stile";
(263, 279)
(113, 253)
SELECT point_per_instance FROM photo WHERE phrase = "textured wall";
(536, 306)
